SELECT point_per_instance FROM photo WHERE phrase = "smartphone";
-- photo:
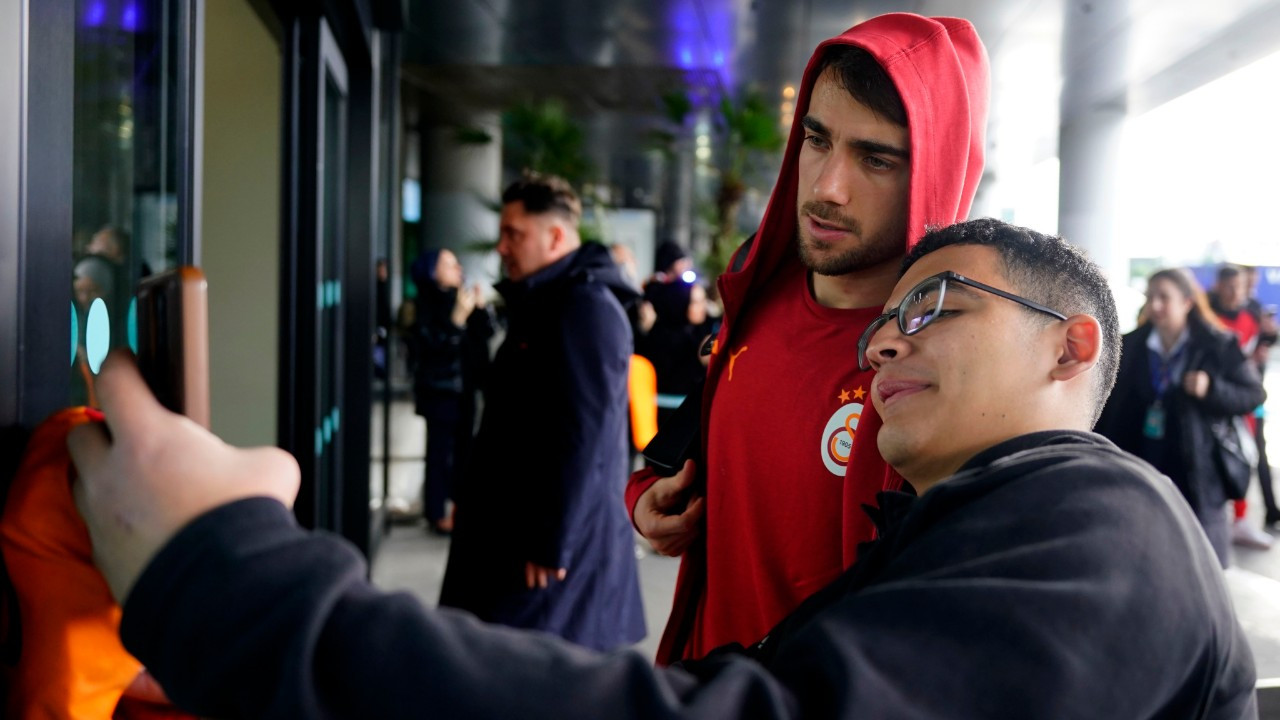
(678, 437)
(173, 340)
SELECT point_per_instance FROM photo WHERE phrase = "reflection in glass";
(329, 299)
(124, 200)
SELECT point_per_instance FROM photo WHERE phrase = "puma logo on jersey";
(733, 358)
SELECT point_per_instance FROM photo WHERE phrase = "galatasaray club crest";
(837, 436)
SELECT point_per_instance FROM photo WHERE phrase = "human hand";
(155, 472)
(536, 575)
(478, 291)
(1196, 384)
(646, 316)
(666, 517)
(464, 303)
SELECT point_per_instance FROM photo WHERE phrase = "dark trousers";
(442, 431)
(1218, 530)
(1264, 476)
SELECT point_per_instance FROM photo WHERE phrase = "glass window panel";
(124, 195)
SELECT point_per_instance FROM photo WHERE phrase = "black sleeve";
(244, 614)
(1234, 387)
(1105, 606)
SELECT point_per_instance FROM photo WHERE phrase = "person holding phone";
(450, 348)
(888, 140)
(974, 603)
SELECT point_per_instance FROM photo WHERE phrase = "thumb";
(668, 489)
(277, 467)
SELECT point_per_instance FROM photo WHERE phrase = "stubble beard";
(868, 252)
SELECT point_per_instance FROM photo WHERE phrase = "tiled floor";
(413, 560)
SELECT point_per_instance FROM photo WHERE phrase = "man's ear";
(558, 235)
(1081, 345)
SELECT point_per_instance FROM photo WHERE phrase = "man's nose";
(887, 343)
(832, 183)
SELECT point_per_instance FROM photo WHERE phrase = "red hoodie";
(940, 70)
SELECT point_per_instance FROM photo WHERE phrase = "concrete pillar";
(461, 185)
(1089, 148)
(1095, 45)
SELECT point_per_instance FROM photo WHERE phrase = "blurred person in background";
(450, 325)
(1181, 370)
(673, 342)
(1228, 298)
(670, 262)
(1267, 334)
(541, 540)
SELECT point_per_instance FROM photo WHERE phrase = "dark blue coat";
(545, 479)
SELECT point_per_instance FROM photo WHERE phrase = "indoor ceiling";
(1050, 58)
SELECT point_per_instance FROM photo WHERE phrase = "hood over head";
(940, 69)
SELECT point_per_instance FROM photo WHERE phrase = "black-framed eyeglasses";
(923, 304)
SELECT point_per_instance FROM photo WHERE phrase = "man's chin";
(896, 449)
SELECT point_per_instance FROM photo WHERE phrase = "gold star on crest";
(844, 395)
(859, 393)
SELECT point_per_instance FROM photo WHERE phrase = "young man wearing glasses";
(1036, 571)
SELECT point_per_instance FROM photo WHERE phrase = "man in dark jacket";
(1041, 572)
(541, 540)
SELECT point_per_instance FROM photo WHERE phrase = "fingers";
(126, 400)
(671, 535)
(667, 491)
(540, 577)
(88, 445)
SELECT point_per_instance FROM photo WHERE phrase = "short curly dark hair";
(1049, 270)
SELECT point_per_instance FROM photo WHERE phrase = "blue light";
(718, 59)
(75, 332)
(96, 13)
(689, 276)
(686, 58)
(129, 18)
(411, 201)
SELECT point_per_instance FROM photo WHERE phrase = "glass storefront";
(126, 199)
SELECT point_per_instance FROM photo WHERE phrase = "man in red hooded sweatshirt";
(888, 141)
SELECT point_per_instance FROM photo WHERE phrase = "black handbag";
(1236, 453)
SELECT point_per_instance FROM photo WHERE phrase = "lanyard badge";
(1153, 425)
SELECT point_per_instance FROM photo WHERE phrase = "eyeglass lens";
(920, 307)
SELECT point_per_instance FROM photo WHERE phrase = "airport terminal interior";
(304, 154)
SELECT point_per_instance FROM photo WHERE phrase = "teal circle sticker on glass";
(97, 335)
(133, 325)
(75, 332)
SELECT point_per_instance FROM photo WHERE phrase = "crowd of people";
(866, 529)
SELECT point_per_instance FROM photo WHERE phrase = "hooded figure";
(783, 390)
(673, 343)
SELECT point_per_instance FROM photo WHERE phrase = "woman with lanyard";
(1180, 370)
